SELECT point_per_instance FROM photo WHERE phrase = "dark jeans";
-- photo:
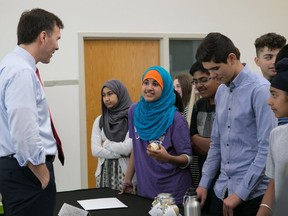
(246, 208)
(21, 190)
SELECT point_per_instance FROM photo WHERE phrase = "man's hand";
(230, 203)
(201, 195)
(41, 172)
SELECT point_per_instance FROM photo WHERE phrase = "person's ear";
(43, 35)
(256, 59)
(231, 59)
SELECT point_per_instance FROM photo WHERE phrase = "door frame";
(164, 62)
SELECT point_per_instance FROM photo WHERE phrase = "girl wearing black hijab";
(110, 141)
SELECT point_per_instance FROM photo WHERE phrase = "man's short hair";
(216, 47)
(197, 66)
(270, 40)
(33, 22)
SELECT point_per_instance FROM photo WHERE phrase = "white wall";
(243, 21)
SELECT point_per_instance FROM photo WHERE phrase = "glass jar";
(163, 203)
(160, 197)
(168, 204)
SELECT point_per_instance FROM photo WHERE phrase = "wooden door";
(125, 60)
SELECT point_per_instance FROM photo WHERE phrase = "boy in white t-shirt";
(278, 146)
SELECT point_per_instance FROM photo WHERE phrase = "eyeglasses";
(202, 80)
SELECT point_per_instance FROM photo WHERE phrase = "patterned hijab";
(115, 121)
(152, 119)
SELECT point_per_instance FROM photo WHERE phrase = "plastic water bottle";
(191, 204)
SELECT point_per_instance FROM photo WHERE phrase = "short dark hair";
(270, 40)
(283, 53)
(33, 22)
(197, 66)
(216, 47)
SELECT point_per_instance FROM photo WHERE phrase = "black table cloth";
(137, 206)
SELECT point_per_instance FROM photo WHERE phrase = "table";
(136, 205)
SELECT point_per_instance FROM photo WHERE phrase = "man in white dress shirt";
(27, 144)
